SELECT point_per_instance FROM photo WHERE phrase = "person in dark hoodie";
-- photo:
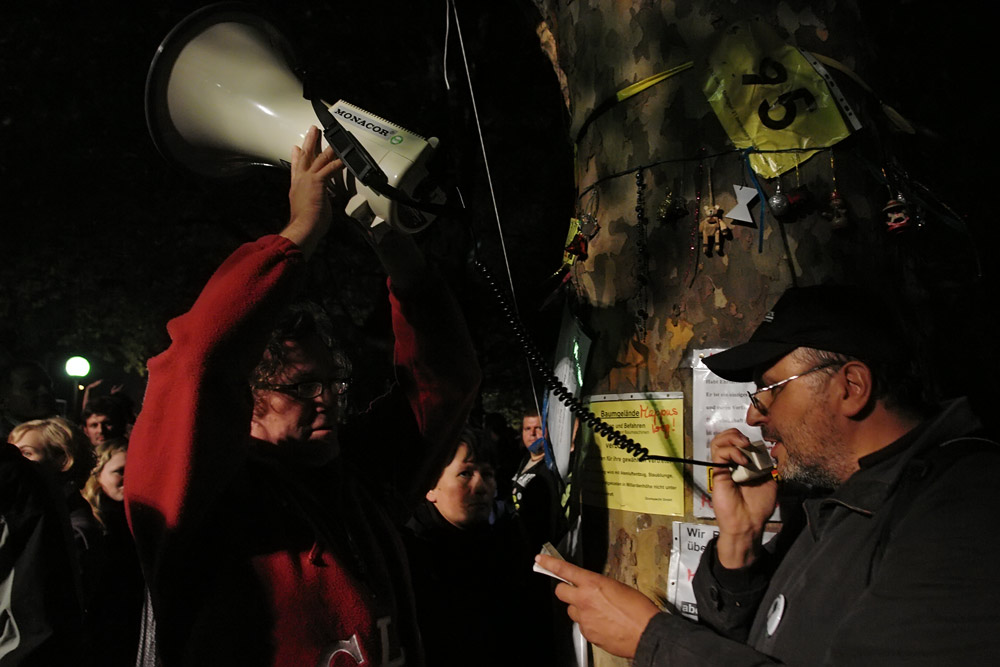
(61, 446)
(41, 605)
(478, 601)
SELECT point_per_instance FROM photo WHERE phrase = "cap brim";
(737, 364)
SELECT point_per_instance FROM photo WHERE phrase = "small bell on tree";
(779, 203)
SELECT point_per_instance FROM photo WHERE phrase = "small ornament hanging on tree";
(836, 212)
(642, 264)
(741, 211)
(589, 226)
(779, 203)
(791, 204)
(712, 227)
(673, 208)
(897, 214)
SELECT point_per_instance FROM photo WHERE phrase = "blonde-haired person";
(106, 483)
(116, 606)
(61, 447)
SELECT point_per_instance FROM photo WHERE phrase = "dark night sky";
(102, 236)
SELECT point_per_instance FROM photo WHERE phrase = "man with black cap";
(894, 560)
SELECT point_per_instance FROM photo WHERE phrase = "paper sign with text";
(613, 478)
(690, 540)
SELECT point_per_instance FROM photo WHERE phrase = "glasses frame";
(339, 386)
(762, 409)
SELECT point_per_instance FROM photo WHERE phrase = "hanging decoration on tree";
(836, 209)
(673, 208)
(582, 230)
(836, 212)
(897, 210)
(789, 205)
(642, 260)
(713, 226)
(897, 214)
(799, 199)
(779, 203)
(744, 196)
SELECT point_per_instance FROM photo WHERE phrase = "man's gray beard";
(812, 475)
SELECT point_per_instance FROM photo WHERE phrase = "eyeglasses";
(761, 408)
(338, 386)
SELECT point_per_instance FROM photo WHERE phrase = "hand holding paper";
(611, 615)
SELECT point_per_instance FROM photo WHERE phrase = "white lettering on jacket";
(352, 647)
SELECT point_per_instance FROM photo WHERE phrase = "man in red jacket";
(266, 529)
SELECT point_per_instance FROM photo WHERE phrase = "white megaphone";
(221, 98)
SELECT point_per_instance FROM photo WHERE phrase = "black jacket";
(897, 566)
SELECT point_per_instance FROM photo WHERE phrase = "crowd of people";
(263, 522)
(66, 512)
(468, 527)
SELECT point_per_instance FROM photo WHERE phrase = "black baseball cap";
(836, 318)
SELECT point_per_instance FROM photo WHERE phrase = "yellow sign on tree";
(613, 478)
(770, 96)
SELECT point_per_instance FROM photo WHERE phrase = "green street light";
(77, 367)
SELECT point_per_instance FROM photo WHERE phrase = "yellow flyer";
(770, 96)
(613, 478)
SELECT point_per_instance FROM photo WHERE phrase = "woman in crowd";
(116, 607)
(478, 601)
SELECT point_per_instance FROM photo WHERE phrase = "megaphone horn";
(222, 98)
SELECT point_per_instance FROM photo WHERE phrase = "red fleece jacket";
(252, 558)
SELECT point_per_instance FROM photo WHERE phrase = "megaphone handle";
(357, 160)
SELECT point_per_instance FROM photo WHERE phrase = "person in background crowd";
(538, 489)
(116, 606)
(41, 606)
(478, 601)
(25, 394)
(104, 418)
(61, 447)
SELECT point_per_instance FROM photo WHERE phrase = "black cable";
(564, 395)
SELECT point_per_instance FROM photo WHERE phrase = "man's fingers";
(567, 593)
(564, 570)
(316, 142)
(326, 164)
(329, 169)
(311, 144)
(725, 445)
